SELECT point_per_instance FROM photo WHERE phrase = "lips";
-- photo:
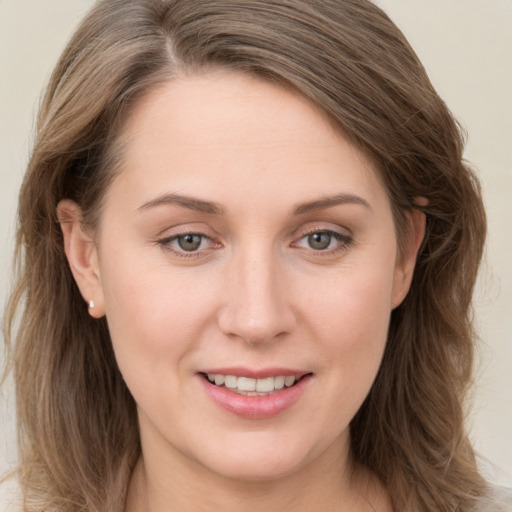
(255, 395)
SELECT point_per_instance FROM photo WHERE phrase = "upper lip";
(256, 374)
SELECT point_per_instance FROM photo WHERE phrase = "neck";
(324, 485)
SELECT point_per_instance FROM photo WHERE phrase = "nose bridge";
(257, 307)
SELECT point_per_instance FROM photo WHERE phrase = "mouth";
(249, 386)
(255, 394)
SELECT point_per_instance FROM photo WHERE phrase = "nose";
(257, 306)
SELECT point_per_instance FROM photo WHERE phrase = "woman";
(250, 246)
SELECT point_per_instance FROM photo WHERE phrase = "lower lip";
(256, 407)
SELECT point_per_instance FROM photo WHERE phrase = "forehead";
(230, 129)
(210, 102)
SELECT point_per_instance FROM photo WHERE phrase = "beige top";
(9, 496)
(499, 499)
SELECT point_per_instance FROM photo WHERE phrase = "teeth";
(230, 381)
(279, 382)
(252, 387)
(245, 384)
(289, 381)
(265, 385)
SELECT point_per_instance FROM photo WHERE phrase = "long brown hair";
(78, 438)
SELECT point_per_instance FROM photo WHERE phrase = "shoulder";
(498, 499)
(10, 500)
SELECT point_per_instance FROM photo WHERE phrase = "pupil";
(319, 241)
(189, 242)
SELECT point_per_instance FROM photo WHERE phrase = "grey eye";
(189, 242)
(319, 241)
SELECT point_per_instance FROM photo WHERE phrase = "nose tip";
(256, 331)
(256, 323)
(257, 308)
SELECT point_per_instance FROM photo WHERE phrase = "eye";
(187, 244)
(324, 241)
(319, 241)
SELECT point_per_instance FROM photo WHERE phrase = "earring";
(91, 304)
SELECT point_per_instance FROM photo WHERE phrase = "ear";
(406, 259)
(82, 256)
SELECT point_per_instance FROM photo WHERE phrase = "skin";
(255, 294)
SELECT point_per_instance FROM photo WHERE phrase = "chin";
(238, 470)
(259, 460)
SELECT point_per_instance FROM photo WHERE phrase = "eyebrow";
(329, 202)
(184, 201)
(214, 208)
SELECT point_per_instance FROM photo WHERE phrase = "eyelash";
(166, 244)
(343, 242)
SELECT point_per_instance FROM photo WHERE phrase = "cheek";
(356, 301)
(156, 321)
(154, 315)
(352, 325)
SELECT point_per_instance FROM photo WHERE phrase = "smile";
(252, 387)
(255, 395)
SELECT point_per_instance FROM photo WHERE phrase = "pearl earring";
(91, 304)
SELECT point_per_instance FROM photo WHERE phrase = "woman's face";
(245, 241)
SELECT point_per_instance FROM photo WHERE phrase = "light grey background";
(466, 46)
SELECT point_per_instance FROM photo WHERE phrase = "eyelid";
(343, 236)
(165, 243)
(344, 239)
